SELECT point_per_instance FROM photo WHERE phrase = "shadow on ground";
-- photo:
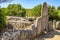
(50, 34)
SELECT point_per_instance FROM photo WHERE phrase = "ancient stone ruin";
(23, 29)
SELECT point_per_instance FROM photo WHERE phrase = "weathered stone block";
(39, 26)
(34, 31)
(25, 35)
(58, 25)
(50, 26)
(54, 24)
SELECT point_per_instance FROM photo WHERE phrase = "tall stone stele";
(42, 21)
(44, 14)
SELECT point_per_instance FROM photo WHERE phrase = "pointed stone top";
(44, 3)
(44, 10)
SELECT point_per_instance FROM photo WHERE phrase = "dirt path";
(54, 35)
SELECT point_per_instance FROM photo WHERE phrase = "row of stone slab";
(53, 25)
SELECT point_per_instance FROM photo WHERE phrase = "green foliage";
(53, 14)
(2, 19)
(58, 7)
(29, 13)
(58, 12)
(15, 10)
(35, 12)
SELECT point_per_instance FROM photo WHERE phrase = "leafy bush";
(2, 19)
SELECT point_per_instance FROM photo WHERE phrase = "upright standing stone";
(39, 26)
(54, 24)
(44, 14)
(42, 21)
(58, 25)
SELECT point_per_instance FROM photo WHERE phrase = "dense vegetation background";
(18, 10)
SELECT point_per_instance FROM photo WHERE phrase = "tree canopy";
(15, 10)
(53, 14)
(2, 19)
(58, 7)
(34, 12)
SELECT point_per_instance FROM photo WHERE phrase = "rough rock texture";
(18, 35)
(54, 24)
(58, 25)
(44, 14)
(18, 23)
(50, 27)
(39, 25)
